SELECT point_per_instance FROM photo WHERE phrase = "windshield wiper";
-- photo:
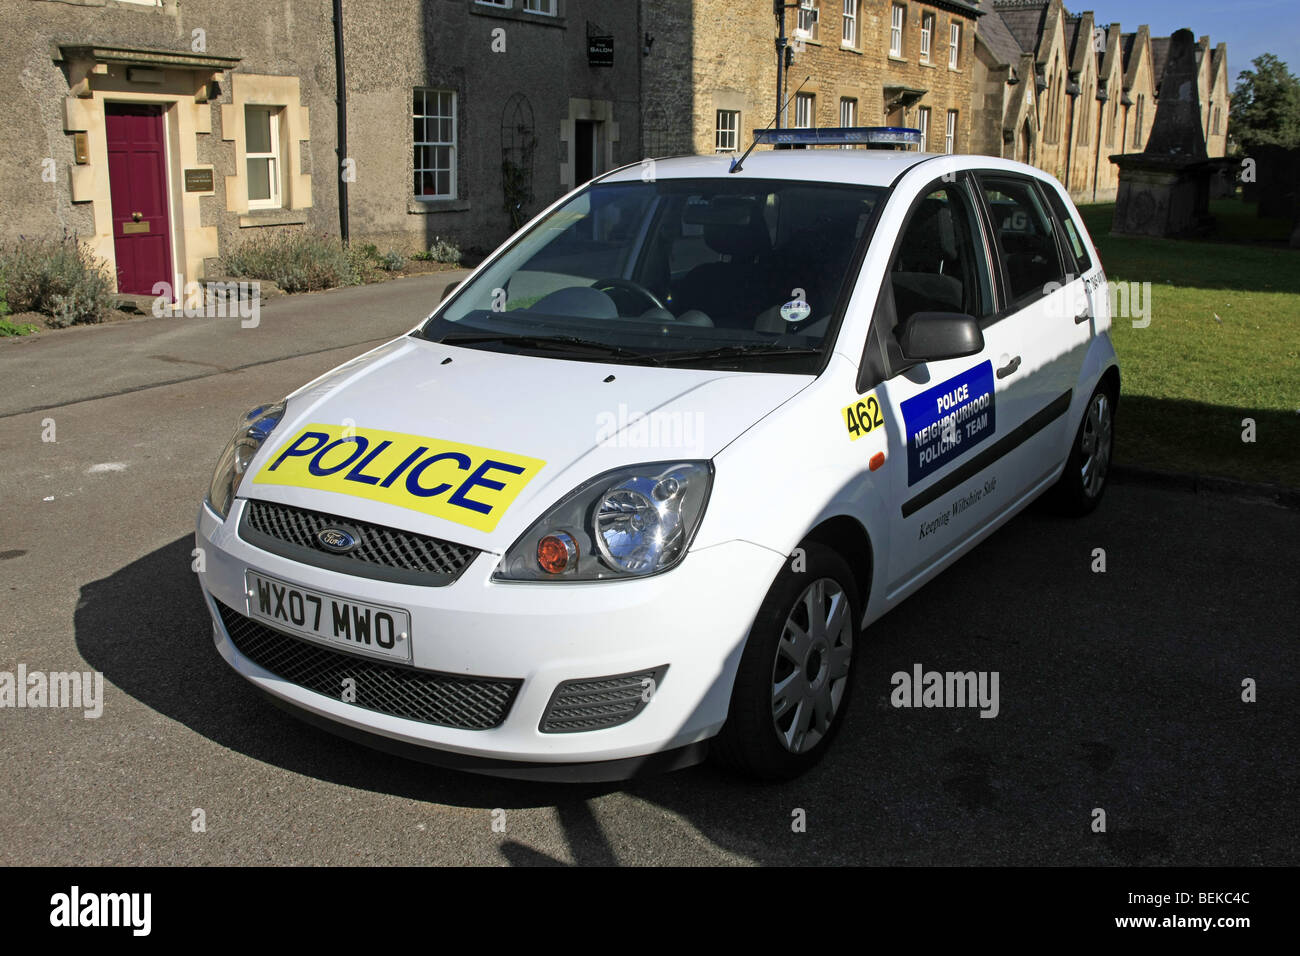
(754, 350)
(570, 344)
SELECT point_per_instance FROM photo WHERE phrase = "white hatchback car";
(637, 485)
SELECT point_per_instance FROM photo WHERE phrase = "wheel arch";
(846, 536)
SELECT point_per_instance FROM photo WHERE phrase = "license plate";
(341, 622)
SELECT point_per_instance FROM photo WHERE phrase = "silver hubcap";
(811, 670)
(1095, 444)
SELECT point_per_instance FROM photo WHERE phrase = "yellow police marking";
(467, 484)
(863, 416)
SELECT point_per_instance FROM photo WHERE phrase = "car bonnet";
(473, 445)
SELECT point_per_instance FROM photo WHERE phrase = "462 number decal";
(863, 417)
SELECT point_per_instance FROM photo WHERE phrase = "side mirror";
(448, 289)
(932, 336)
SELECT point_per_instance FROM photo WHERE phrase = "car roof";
(863, 167)
(859, 167)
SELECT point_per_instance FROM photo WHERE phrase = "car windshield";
(706, 273)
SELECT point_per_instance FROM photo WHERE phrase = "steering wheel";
(627, 285)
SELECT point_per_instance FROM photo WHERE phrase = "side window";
(1026, 237)
(1073, 237)
(939, 265)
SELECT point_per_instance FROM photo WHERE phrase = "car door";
(1084, 311)
(1045, 303)
(957, 423)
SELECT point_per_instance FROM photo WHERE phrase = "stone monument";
(1165, 189)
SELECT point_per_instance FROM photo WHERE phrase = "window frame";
(497, 4)
(810, 99)
(897, 12)
(810, 10)
(927, 37)
(954, 45)
(1010, 305)
(876, 366)
(453, 146)
(275, 167)
(554, 10)
(719, 130)
(950, 133)
(850, 24)
(923, 123)
(852, 103)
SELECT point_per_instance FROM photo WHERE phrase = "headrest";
(931, 234)
(734, 226)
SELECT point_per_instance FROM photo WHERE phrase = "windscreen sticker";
(947, 421)
(466, 484)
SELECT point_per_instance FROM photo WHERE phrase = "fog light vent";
(599, 702)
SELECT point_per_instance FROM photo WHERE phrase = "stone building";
(1066, 92)
(710, 78)
(165, 133)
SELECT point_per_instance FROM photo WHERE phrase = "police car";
(639, 486)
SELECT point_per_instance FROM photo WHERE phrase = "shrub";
(8, 328)
(364, 264)
(298, 261)
(442, 250)
(59, 278)
(392, 261)
(12, 329)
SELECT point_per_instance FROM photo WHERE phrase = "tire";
(1087, 470)
(758, 742)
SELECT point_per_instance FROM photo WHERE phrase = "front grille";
(381, 552)
(448, 700)
(600, 702)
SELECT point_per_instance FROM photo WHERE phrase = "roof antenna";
(737, 163)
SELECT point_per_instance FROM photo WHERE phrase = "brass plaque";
(130, 228)
(80, 149)
(198, 181)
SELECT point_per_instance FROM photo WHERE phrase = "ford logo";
(336, 540)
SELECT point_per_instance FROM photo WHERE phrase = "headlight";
(626, 523)
(255, 428)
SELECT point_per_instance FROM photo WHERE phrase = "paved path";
(59, 367)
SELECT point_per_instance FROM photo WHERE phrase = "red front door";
(137, 176)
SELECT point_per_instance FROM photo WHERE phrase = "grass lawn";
(1190, 378)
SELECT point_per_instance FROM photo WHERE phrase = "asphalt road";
(1118, 690)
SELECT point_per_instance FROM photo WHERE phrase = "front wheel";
(1086, 471)
(795, 677)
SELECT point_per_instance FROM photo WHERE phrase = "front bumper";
(694, 619)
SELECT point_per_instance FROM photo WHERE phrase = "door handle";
(1082, 317)
(1010, 367)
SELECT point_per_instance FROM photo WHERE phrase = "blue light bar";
(840, 136)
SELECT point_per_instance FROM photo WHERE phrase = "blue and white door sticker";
(948, 420)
